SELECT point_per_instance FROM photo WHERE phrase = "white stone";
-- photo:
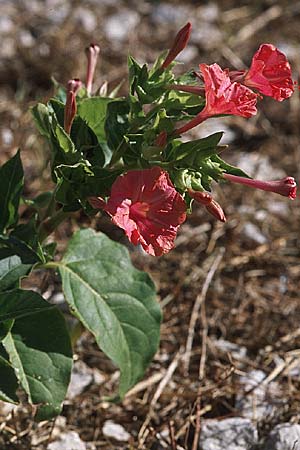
(165, 13)
(86, 18)
(67, 441)
(118, 26)
(235, 350)
(234, 433)
(81, 377)
(115, 431)
(285, 436)
(251, 232)
(257, 400)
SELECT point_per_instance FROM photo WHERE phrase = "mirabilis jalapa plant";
(122, 156)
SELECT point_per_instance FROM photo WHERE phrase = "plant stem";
(49, 225)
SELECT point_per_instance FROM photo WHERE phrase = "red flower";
(286, 187)
(180, 42)
(147, 206)
(270, 73)
(222, 97)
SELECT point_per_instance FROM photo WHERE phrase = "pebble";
(285, 436)
(257, 400)
(235, 433)
(252, 233)
(114, 430)
(81, 377)
(67, 441)
(86, 18)
(235, 350)
(118, 26)
(165, 13)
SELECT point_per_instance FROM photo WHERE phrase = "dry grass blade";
(195, 312)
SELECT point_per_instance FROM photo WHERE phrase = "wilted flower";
(222, 97)
(179, 44)
(286, 187)
(270, 73)
(147, 206)
(205, 199)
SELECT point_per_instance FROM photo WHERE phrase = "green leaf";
(115, 301)
(11, 271)
(5, 328)
(39, 350)
(8, 379)
(18, 303)
(93, 111)
(11, 245)
(228, 168)
(11, 185)
(193, 152)
(41, 116)
(116, 124)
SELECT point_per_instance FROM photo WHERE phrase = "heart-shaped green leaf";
(115, 301)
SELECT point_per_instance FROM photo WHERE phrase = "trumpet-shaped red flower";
(286, 187)
(222, 97)
(270, 73)
(147, 206)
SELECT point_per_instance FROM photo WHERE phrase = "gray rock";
(251, 232)
(165, 13)
(81, 377)
(285, 436)
(68, 441)
(235, 350)
(257, 400)
(115, 431)
(235, 433)
(119, 25)
(86, 19)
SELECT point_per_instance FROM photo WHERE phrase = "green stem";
(49, 225)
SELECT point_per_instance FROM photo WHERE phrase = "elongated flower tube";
(206, 199)
(148, 208)
(270, 73)
(92, 53)
(222, 97)
(71, 108)
(286, 187)
(179, 44)
(197, 90)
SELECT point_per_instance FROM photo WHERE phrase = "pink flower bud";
(286, 187)
(179, 44)
(71, 108)
(92, 53)
(205, 199)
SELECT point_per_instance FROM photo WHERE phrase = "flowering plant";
(122, 156)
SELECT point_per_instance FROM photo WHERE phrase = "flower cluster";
(147, 201)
